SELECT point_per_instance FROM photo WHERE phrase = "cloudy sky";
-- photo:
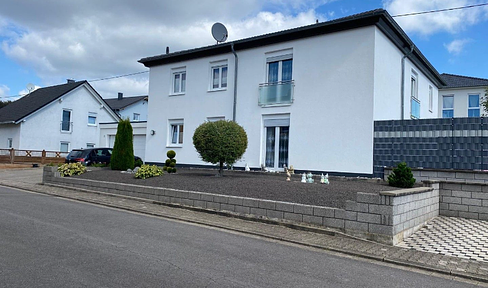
(46, 42)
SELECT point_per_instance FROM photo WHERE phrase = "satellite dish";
(30, 87)
(219, 32)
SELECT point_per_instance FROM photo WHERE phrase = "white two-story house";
(307, 97)
(55, 118)
(462, 96)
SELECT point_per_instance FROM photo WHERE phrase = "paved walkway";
(28, 179)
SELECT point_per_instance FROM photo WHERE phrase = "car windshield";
(76, 153)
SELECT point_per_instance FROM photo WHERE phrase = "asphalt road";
(51, 242)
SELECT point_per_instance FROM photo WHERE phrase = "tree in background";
(4, 103)
(220, 142)
(123, 153)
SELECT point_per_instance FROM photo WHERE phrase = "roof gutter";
(402, 91)
(8, 122)
(236, 64)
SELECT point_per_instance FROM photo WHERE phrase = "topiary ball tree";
(123, 153)
(401, 176)
(220, 142)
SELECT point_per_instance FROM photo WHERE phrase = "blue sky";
(47, 42)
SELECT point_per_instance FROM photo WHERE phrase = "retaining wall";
(444, 174)
(464, 199)
(387, 217)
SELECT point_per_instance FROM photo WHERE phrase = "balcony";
(66, 126)
(276, 93)
(415, 113)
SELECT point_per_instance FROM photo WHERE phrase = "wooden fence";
(31, 156)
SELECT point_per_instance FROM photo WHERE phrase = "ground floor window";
(277, 134)
(176, 132)
(64, 147)
(90, 145)
(9, 143)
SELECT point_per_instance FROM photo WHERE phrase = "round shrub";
(168, 161)
(165, 168)
(171, 154)
(147, 171)
(172, 164)
(220, 142)
(173, 160)
(401, 176)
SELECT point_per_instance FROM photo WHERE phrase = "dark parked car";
(89, 156)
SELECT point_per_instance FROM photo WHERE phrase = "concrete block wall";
(387, 217)
(444, 174)
(464, 199)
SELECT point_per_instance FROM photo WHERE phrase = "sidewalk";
(300, 234)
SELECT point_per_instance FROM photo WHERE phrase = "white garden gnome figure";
(247, 168)
(288, 174)
(304, 178)
(322, 178)
(326, 179)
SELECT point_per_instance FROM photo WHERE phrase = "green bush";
(220, 142)
(401, 176)
(71, 169)
(168, 161)
(123, 153)
(165, 168)
(172, 164)
(138, 163)
(171, 154)
(146, 171)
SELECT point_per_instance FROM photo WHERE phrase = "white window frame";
(280, 60)
(70, 130)
(431, 99)
(414, 93)
(215, 118)
(176, 124)
(90, 145)
(479, 103)
(67, 145)
(138, 118)
(218, 65)
(447, 109)
(174, 73)
(10, 143)
(92, 115)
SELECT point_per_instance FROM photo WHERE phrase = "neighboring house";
(133, 108)
(307, 97)
(109, 130)
(55, 118)
(462, 96)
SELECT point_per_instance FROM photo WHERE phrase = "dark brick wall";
(450, 143)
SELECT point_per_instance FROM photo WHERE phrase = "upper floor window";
(179, 81)
(448, 106)
(474, 105)
(431, 98)
(415, 102)
(219, 77)
(66, 121)
(136, 117)
(279, 70)
(92, 118)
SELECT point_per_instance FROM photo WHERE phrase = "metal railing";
(276, 93)
(66, 126)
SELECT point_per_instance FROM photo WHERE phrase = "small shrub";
(165, 168)
(71, 169)
(401, 176)
(170, 163)
(51, 164)
(147, 171)
(171, 154)
(138, 163)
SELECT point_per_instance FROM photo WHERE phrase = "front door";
(277, 147)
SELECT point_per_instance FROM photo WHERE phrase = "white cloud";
(80, 40)
(456, 46)
(426, 24)
(4, 91)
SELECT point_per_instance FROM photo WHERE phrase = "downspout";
(402, 92)
(235, 82)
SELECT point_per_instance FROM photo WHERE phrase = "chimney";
(121, 95)
(167, 49)
(70, 81)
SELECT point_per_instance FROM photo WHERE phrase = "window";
(136, 116)
(92, 118)
(215, 119)
(66, 121)
(90, 145)
(9, 143)
(176, 132)
(179, 82)
(279, 70)
(474, 105)
(431, 98)
(415, 103)
(448, 106)
(64, 147)
(219, 77)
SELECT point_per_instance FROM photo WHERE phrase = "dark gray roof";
(378, 17)
(117, 104)
(458, 81)
(37, 99)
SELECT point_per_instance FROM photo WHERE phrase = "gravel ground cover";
(271, 186)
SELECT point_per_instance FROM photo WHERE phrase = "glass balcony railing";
(276, 93)
(415, 108)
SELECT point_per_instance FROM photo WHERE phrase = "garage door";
(140, 146)
(111, 141)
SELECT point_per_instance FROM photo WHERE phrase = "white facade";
(134, 112)
(109, 130)
(457, 103)
(42, 130)
(343, 81)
